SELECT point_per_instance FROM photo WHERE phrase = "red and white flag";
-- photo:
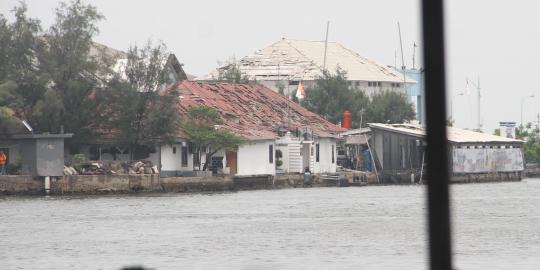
(300, 93)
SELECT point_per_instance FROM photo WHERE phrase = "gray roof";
(303, 60)
(455, 135)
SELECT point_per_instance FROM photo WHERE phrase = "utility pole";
(413, 56)
(326, 44)
(477, 85)
(402, 59)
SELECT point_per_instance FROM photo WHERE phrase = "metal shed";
(42, 154)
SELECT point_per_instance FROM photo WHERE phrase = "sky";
(495, 41)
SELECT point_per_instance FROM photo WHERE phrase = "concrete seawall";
(101, 184)
(129, 183)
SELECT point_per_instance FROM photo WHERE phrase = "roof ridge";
(305, 56)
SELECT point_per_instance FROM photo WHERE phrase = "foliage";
(135, 105)
(230, 72)
(279, 155)
(48, 77)
(389, 107)
(331, 96)
(52, 79)
(531, 148)
(497, 132)
(201, 128)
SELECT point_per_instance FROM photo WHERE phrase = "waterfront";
(373, 227)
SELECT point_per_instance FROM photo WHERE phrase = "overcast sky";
(496, 40)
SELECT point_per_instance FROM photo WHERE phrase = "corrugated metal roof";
(253, 111)
(455, 135)
(303, 60)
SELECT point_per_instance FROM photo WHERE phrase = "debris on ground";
(112, 167)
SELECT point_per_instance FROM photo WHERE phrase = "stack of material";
(112, 167)
(68, 170)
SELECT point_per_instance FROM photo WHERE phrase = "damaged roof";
(455, 135)
(253, 111)
(303, 60)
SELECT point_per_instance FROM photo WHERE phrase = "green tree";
(135, 103)
(230, 72)
(73, 72)
(201, 126)
(389, 107)
(332, 95)
(22, 82)
(531, 147)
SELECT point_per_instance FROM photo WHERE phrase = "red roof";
(253, 111)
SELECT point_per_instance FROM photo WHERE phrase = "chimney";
(346, 121)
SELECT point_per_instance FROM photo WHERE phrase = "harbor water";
(496, 226)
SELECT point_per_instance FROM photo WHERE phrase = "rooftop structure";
(300, 60)
(455, 135)
(254, 111)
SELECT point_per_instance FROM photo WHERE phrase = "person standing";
(3, 159)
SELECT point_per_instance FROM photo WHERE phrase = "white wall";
(325, 164)
(171, 161)
(480, 160)
(253, 158)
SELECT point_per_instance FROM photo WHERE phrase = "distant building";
(291, 61)
(399, 152)
(508, 129)
(416, 91)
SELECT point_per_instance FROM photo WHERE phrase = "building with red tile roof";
(254, 111)
(269, 121)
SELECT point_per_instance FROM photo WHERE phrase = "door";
(231, 161)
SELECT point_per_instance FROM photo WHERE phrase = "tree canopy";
(201, 126)
(230, 72)
(332, 94)
(531, 136)
(135, 105)
(59, 77)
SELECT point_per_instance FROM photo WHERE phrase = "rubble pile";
(112, 167)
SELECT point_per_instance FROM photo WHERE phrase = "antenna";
(477, 85)
(401, 45)
(413, 55)
(326, 44)
(402, 58)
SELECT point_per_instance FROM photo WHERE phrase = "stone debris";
(112, 167)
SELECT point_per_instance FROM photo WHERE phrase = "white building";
(291, 61)
(269, 122)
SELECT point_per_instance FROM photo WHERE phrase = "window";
(379, 84)
(196, 159)
(174, 150)
(184, 156)
(333, 158)
(271, 153)
(317, 152)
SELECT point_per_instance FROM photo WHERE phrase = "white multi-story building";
(291, 61)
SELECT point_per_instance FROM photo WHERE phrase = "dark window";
(196, 159)
(271, 153)
(317, 152)
(174, 150)
(184, 156)
(333, 158)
